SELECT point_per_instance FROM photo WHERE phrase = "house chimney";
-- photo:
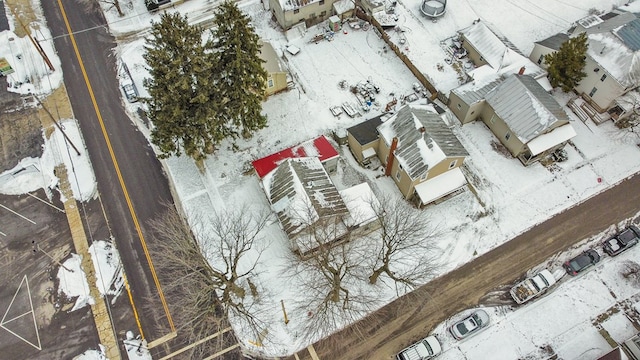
(394, 145)
(521, 72)
(422, 129)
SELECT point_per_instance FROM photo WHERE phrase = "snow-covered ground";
(513, 197)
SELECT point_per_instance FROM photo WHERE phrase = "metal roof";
(526, 108)
(630, 34)
(488, 43)
(412, 141)
(320, 147)
(476, 90)
(301, 181)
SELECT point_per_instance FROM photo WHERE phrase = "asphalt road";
(146, 184)
(406, 320)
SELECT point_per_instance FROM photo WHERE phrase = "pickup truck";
(532, 286)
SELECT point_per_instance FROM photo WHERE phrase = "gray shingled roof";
(271, 60)
(296, 182)
(366, 132)
(525, 106)
(612, 23)
(554, 42)
(405, 125)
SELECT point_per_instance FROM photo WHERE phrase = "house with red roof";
(304, 198)
(319, 147)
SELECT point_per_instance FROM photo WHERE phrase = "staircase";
(584, 111)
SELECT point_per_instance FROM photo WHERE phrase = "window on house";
(453, 164)
(459, 106)
(593, 91)
(493, 119)
(398, 175)
(604, 76)
(322, 14)
(507, 136)
(321, 2)
(295, 11)
(270, 83)
(540, 59)
(423, 177)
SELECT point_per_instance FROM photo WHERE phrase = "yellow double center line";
(120, 180)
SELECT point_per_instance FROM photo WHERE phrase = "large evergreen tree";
(240, 77)
(566, 66)
(181, 88)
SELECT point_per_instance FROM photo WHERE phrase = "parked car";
(425, 349)
(130, 92)
(582, 262)
(470, 325)
(622, 241)
(533, 286)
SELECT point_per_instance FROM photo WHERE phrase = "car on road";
(622, 241)
(581, 262)
(425, 349)
(470, 325)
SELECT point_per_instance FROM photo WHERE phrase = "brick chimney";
(521, 72)
(394, 145)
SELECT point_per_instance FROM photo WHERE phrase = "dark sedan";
(622, 241)
(582, 262)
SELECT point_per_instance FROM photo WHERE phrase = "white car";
(470, 325)
(422, 350)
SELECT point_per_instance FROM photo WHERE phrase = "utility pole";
(37, 247)
(55, 122)
(33, 41)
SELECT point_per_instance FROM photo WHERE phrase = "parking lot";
(34, 323)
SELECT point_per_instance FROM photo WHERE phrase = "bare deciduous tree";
(233, 236)
(208, 277)
(403, 246)
(331, 278)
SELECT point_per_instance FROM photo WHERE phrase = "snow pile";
(92, 354)
(106, 261)
(73, 282)
(136, 347)
(32, 174)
